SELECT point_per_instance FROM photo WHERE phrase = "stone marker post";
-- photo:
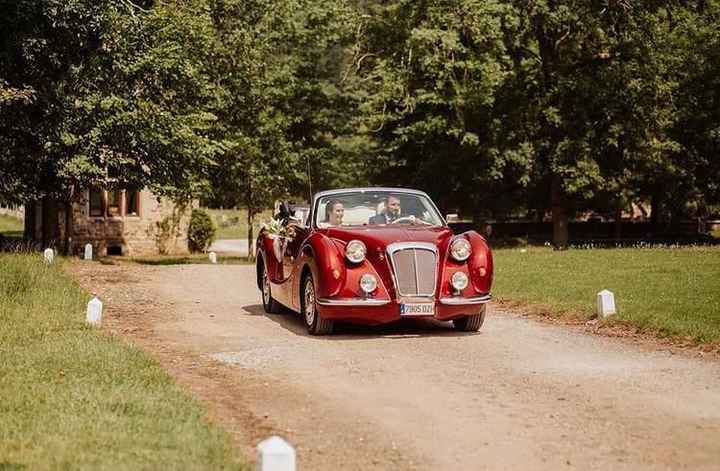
(275, 454)
(213, 257)
(94, 312)
(605, 304)
(88, 252)
(49, 255)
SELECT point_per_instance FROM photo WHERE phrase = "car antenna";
(309, 177)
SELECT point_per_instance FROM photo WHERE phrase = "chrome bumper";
(458, 301)
(353, 302)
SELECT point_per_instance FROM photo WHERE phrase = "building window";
(132, 203)
(97, 208)
(115, 203)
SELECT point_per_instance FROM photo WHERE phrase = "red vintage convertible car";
(371, 256)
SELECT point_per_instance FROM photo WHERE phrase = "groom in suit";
(392, 212)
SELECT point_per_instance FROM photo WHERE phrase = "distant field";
(76, 398)
(10, 226)
(672, 292)
(232, 223)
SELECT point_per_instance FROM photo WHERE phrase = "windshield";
(376, 208)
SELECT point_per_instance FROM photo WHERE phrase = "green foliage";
(496, 107)
(201, 231)
(76, 398)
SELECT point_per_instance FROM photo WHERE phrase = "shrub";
(201, 232)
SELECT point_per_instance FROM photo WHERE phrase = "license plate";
(417, 309)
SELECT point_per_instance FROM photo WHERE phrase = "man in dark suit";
(391, 213)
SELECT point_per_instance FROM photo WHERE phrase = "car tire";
(270, 305)
(470, 323)
(315, 324)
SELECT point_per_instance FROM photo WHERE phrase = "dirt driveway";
(517, 395)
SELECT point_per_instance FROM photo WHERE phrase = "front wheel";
(270, 305)
(470, 323)
(315, 324)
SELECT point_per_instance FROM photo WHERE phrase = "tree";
(279, 68)
(116, 97)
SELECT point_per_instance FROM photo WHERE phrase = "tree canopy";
(495, 107)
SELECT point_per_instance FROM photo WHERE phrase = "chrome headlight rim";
(460, 249)
(355, 251)
(368, 283)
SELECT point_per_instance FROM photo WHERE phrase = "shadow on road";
(404, 328)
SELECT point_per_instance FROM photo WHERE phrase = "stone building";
(121, 222)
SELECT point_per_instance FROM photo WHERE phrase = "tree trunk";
(251, 232)
(559, 215)
(30, 218)
(69, 223)
(50, 223)
(618, 224)
(655, 205)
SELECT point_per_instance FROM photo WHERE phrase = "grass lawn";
(194, 259)
(672, 292)
(232, 223)
(10, 226)
(76, 398)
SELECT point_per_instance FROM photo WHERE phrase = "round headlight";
(460, 249)
(459, 281)
(355, 251)
(368, 283)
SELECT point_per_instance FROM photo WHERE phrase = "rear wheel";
(315, 324)
(269, 304)
(470, 323)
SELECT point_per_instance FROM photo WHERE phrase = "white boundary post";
(605, 304)
(88, 252)
(94, 312)
(275, 454)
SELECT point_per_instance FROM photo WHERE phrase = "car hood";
(377, 238)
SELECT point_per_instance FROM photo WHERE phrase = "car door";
(291, 258)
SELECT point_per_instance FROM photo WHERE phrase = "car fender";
(266, 253)
(480, 263)
(326, 263)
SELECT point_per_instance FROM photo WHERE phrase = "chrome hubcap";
(309, 303)
(266, 288)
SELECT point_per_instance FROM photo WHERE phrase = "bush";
(201, 232)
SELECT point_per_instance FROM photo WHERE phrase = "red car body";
(318, 254)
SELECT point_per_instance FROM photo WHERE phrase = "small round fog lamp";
(459, 281)
(368, 283)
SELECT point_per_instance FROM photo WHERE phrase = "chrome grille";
(415, 268)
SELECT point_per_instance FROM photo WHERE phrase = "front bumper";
(356, 302)
(380, 311)
(461, 301)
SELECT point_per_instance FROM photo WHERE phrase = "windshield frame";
(350, 191)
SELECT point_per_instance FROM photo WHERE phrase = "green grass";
(196, 259)
(232, 223)
(671, 292)
(10, 226)
(75, 398)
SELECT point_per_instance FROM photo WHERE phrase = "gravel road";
(518, 395)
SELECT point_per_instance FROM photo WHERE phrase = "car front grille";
(415, 269)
